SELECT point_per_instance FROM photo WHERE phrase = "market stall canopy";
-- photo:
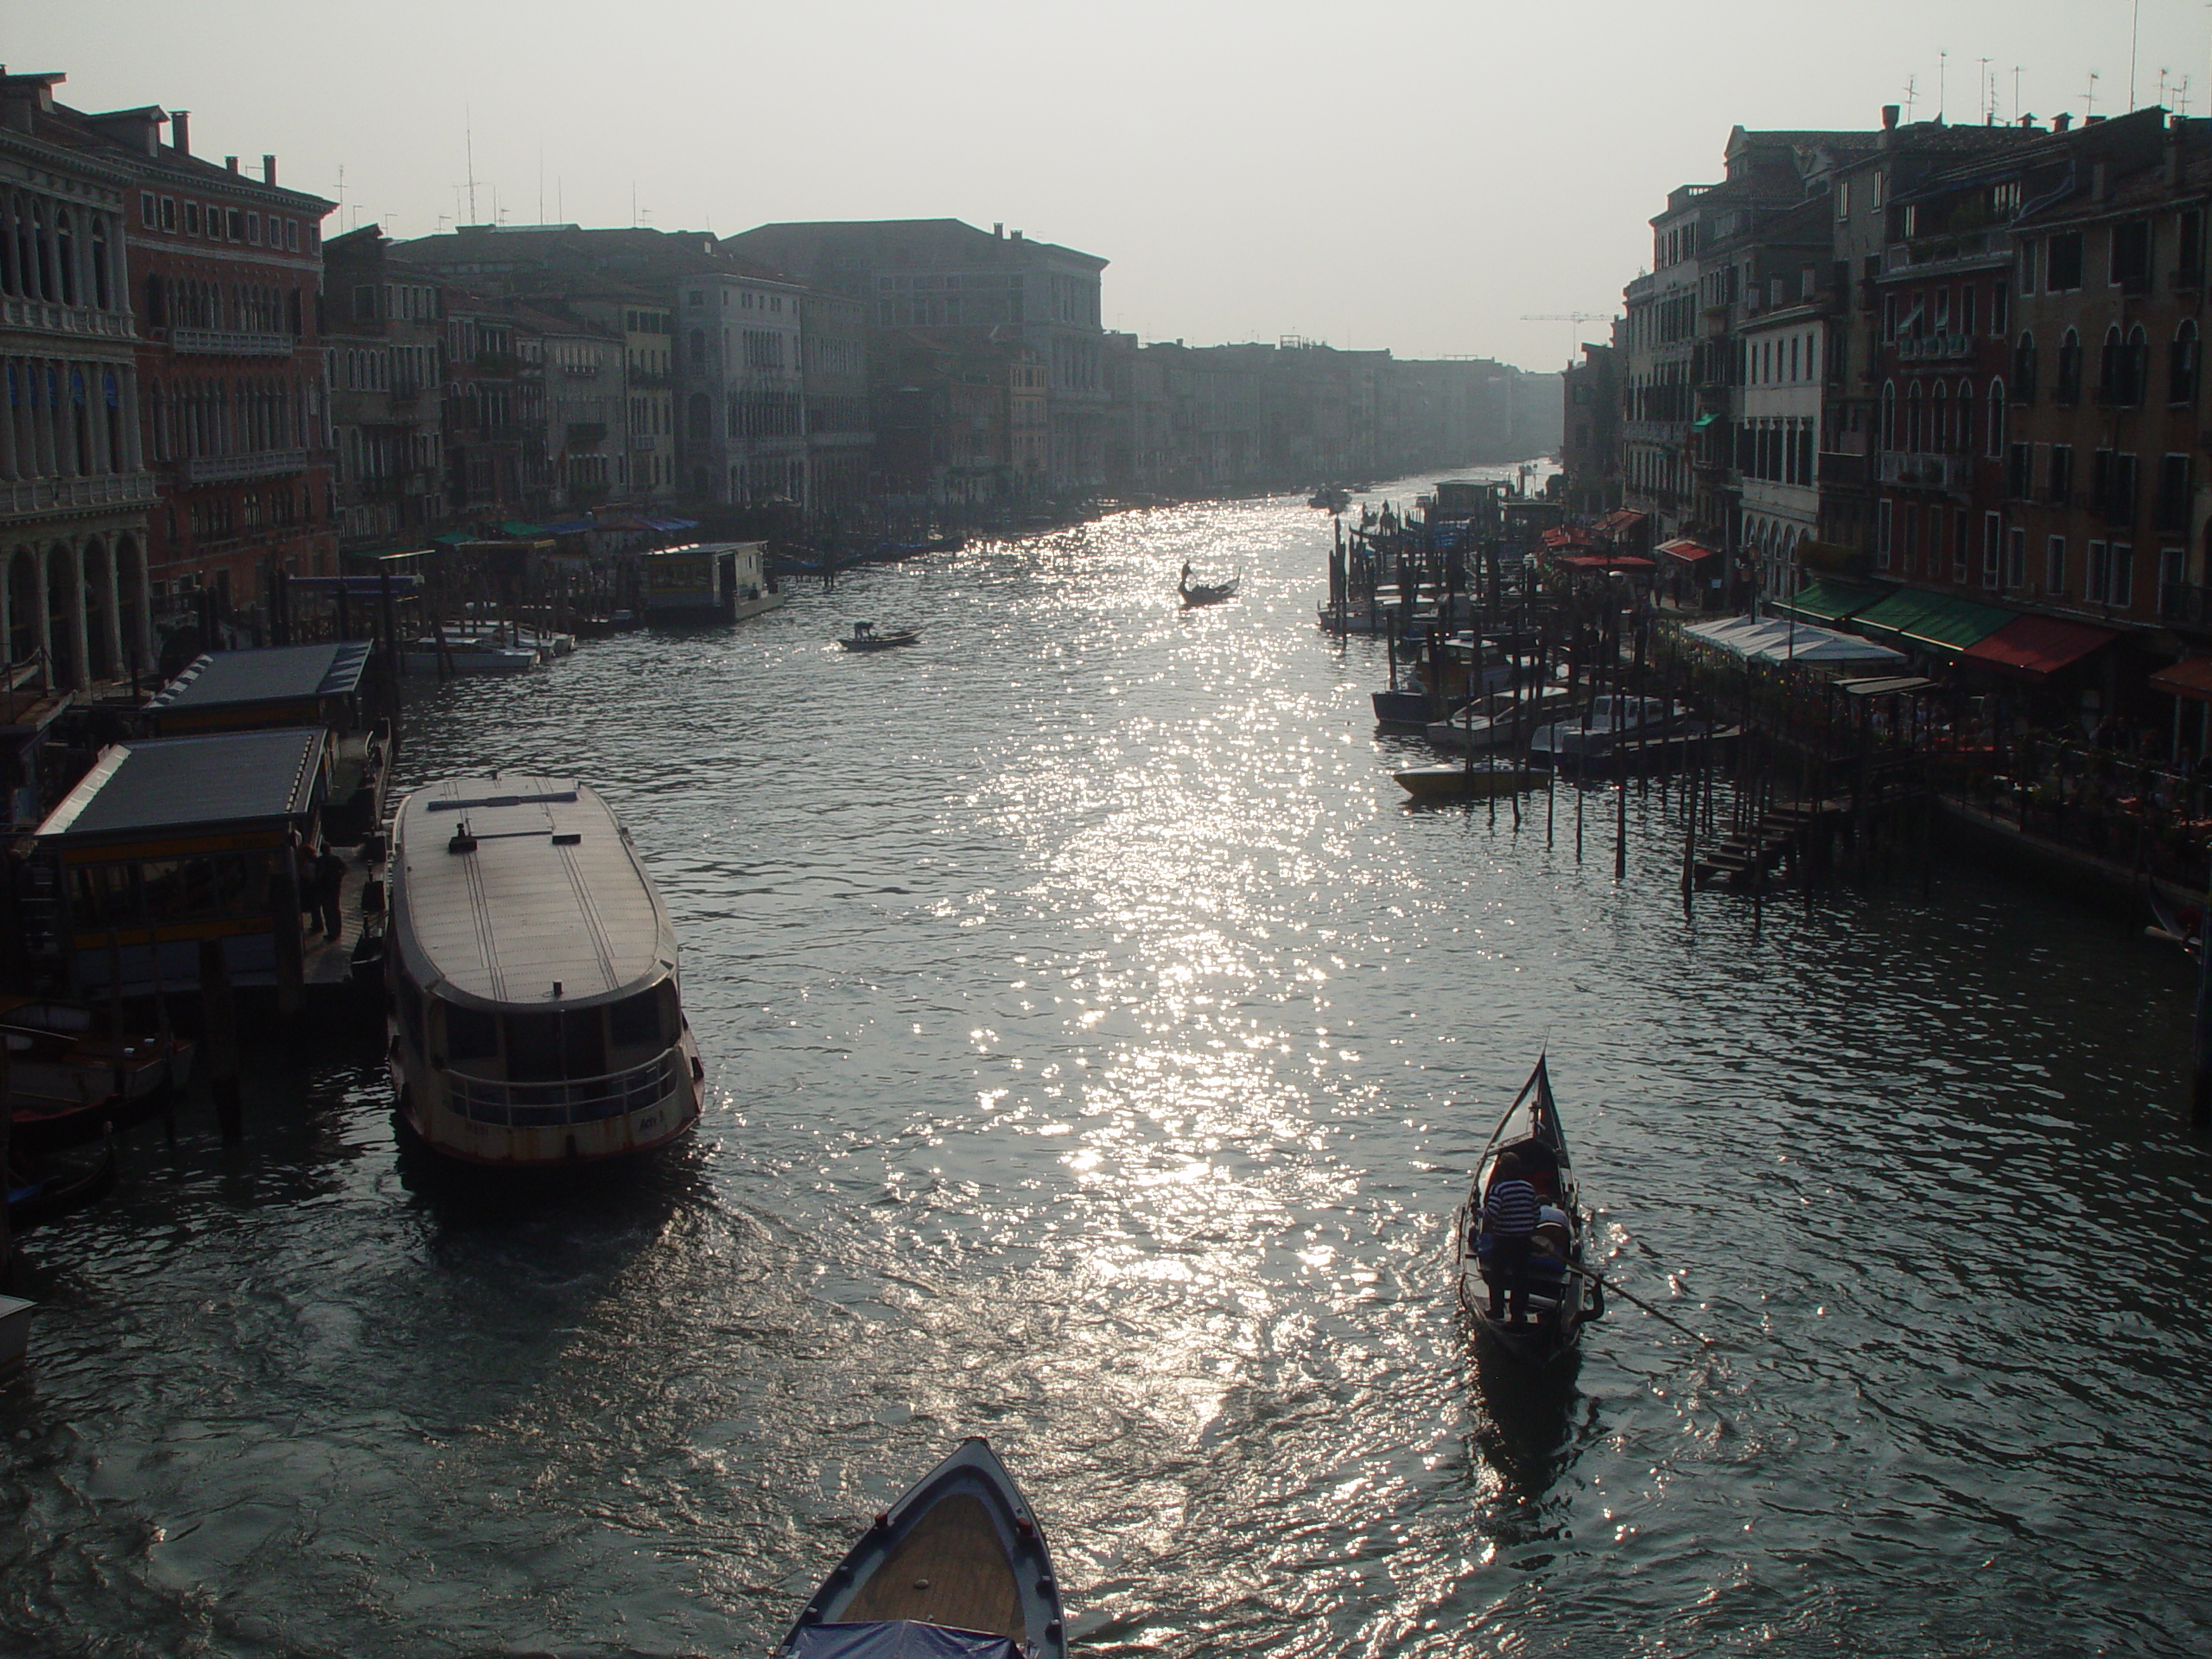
(1562, 536)
(1606, 562)
(1687, 552)
(1774, 639)
(2191, 677)
(2037, 647)
(1826, 602)
(1619, 522)
(1939, 622)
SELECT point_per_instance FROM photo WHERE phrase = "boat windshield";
(898, 1638)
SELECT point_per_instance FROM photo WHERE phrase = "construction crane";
(1576, 318)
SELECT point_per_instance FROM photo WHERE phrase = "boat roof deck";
(952, 1569)
(274, 674)
(193, 783)
(550, 902)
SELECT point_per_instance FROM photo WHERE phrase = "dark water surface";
(1098, 1050)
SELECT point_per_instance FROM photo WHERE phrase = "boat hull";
(1449, 782)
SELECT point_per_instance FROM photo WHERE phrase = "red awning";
(1606, 562)
(2037, 647)
(2189, 678)
(1565, 538)
(1619, 521)
(1687, 552)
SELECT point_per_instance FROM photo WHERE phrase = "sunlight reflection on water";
(1099, 1049)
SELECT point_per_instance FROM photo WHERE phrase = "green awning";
(1940, 622)
(1704, 421)
(1826, 602)
(519, 531)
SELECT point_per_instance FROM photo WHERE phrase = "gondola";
(957, 1569)
(865, 638)
(1195, 593)
(1548, 1320)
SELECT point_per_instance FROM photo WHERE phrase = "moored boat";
(70, 1080)
(1589, 739)
(1454, 780)
(957, 1569)
(43, 1193)
(535, 1016)
(1536, 1311)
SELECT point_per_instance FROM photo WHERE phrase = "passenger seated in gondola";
(1509, 1229)
(1539, 1167)
(1547, 1258)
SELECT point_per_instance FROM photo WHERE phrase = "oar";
(1638, 1302)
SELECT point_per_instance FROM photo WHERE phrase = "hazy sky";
(1414, 174)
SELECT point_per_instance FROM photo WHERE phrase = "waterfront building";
(384, 333)
(75, 491)
(584, 409)
(494, 414)
(833, 374)
(2103, 508)
(942, 275)
(1590, 431)
(227, 269)
(1784, 356)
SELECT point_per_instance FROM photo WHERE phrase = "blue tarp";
(673, 524)
(898, 1638)
(570, 527)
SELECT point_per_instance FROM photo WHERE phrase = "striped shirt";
(1509, 1210)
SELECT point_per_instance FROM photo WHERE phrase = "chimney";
(2061, 122)
(2028, 122)
(269, 169)
(998, 229)
(232, 163)
(181, 131)
(1015, 237)
(2093, 120)
(1889, 118)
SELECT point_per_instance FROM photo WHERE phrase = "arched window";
(1889, 434)
(1997, 413)
(702, 417)
(1939, 419)
(65, 251)
(1963, 436)
(2135, 367)
(1915, 419)
(2112, 370)
(2024, 369)
(2182, 364)
(103, 294)
(2068, 388)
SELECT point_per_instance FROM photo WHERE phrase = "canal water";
(1098, 1049)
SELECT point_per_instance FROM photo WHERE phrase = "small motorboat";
(957, 1569)
(1454, 780)
(865, 638)
(1329, 498)
(1532, 1316)
(1195, 593)
(1496, 722)
(49, 1190)
(1606, 723)
(69, 1080)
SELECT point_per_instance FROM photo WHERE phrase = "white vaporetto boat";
(534, 1012)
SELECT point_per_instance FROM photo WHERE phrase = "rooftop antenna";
(2015, 94)
(469, 132)
(2089, 98)
(2181, 96)
(2134, 31)
(1989, 92)
(1910, 82)
(1942, 82)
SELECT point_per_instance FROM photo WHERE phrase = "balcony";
(1913, 470)
(1836, 467)
(229, 342)
(228, 469)
(37, 497)
(81, 321)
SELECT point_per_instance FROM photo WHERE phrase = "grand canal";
(1098, 1048)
